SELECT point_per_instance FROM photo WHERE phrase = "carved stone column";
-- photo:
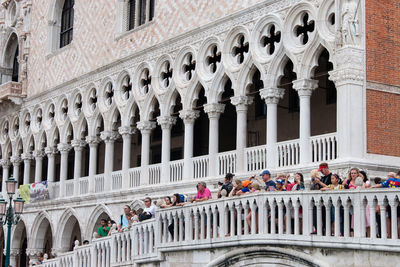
(271, 97)
(213, 111)
(16, 162)
(78, 146)
(166, 123)
(5, 163)
(50, 152)
(64, 150)
(145, 128)
(126, 132)
(109, 139)
(39, 155)
(93, 142)
(27, 158)
(189, 117)
(241, 103)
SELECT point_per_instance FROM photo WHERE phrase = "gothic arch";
(42, 229)
(310, 61)
(266, 256)
(10, 52)
(69, 228)
(94, 218)
(19, 232)
(193, 94)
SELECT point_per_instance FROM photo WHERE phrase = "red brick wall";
(383, 66)
(383, 41)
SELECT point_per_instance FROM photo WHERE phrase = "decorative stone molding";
(93, 140)
(78, 145)
(189, 116)
(109, 136)
(16, 160)
(14, 252)
(5, 163)
(272, 95)
(126, 130)
(166, 122)
(241, 102)
(50, 151)
(26, 156)
(146, 126)
(64, 148)
(214, 110)
(39, 154)
(305, 87)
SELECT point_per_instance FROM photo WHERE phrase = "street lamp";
(11, 214)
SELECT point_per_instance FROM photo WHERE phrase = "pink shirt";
(206, 193)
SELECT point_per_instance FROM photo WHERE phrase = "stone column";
(64, 150)
(271, 97)
(188, 117)
(39, 155)
(126, 132)
(304, 88)
(16, 162)
(50, 152)
(241, 103)
(166, 123)
(109, 138)
(27, 158)
(78, 146)
(348, 77)
(145, 128)
(14, 254)
(213, 111)
(93, 142)
(5, 163)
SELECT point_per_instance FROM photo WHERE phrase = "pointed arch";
(10, 57)
(95, 217)
(42, 230)
(69, 228)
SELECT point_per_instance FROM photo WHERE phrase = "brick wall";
(383, 66)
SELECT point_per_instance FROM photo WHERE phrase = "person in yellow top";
(334, 184)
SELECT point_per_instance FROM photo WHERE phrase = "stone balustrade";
(343, 219)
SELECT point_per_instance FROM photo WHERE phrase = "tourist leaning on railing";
(203, 193)
(237, 186)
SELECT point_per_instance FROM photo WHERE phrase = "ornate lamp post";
(11, 213)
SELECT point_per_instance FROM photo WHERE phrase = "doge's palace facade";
(112, 101)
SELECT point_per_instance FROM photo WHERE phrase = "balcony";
(277, 219)
(12, 91)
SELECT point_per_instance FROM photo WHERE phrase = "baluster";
(146, 239)
(165, 225)
(253, 218)
(208, 219)
(337, 218)
(108, 255)
(188, 225)
(196, 225)
(324, 157)
(288, 217)
(382, 205)
(246, 224)
(202, 223)
(329, 154)
(239, 219)
(346, 220)
(124, 247)
(118, 242)
(319, 217)
(273, 215)
(280, 217)
(232, 213)
(135, 242)
(151, 239)
(181, 228)
(99, 254)
(176, 230)
(262, 216)
(372, 218)
(215, 215)
(223, 212)
(393, 206)
(103, 255)
(296, 217)
(328, 224)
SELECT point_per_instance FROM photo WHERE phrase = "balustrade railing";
(324, 147)
(83, 185)
(344, 219)
(200, 166)
(99, 183)
(134, 177)
(155, 174)
(288, 153)
(116, 180)
(54, 190)
(256, 158)
(176, 171)
(227, 162)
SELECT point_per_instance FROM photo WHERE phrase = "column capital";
(14, 252)
(272, 95)
(50, 151)
(78, 144)
(146, 126)
(126, 130)
(26, 156)
(16, 160)
(166, 122)
(189, 116)
(5, 163)
(305, 87)
(38, 154)
(93, 140)
(214, 110)
(241, 102)
(109, 136)
(64, 148)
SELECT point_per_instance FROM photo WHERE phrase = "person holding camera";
(227, 185)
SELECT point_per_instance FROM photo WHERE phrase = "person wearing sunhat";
(324, 169)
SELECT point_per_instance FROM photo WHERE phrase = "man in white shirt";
(149, 211)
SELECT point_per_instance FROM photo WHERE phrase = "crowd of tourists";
(321, 179)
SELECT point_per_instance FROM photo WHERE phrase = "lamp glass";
(3, 207)
(19, 205)
(11, 185)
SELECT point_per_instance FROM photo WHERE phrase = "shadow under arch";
(100, 212)
(265, 256)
